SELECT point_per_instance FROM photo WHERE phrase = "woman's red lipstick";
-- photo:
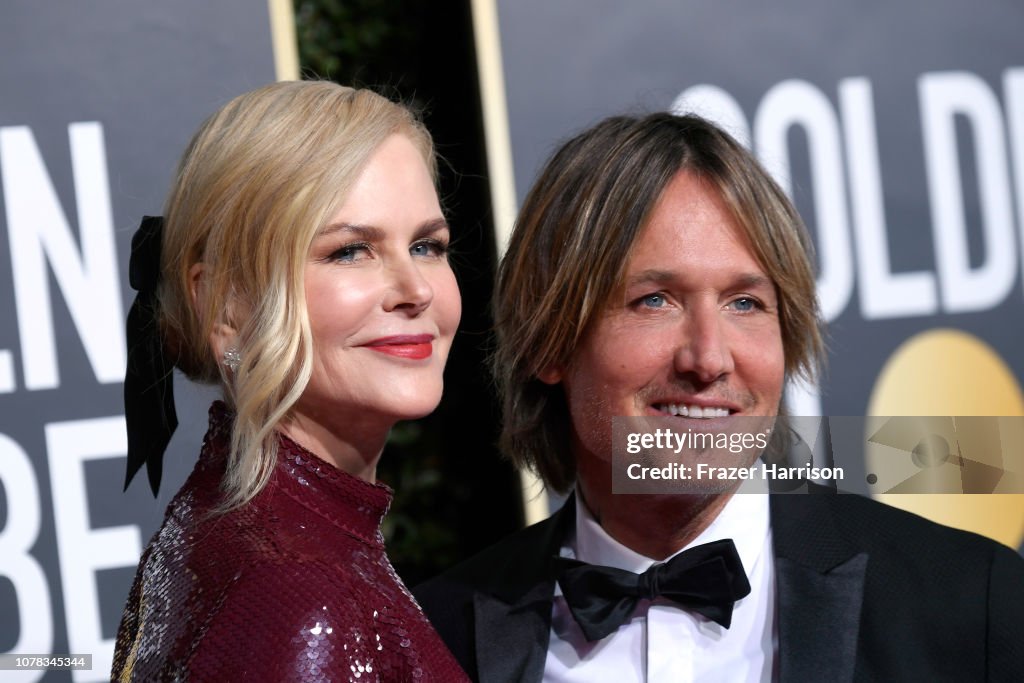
(414, 346)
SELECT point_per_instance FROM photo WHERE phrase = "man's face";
(693, 333)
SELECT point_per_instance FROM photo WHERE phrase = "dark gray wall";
(131, 79)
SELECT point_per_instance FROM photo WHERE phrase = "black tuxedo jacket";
(865, 592)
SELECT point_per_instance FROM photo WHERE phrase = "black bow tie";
(706, 579)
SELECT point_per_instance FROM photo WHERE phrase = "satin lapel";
(513, 617)
(512, 639)
(819, 617)
(820, 581)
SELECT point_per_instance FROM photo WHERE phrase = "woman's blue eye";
(429, 248)
(346, 254)
(349, 252)
(653, 301)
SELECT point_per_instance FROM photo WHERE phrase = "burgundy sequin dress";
(294, 586)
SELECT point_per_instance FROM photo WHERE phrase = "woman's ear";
(223, 336)
(551, 374)
(195, 282)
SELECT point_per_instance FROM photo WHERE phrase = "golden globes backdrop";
(898, 129)
(97, 101)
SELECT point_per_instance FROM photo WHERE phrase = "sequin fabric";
(294, 586)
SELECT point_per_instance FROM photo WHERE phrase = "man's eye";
(653, 301)
(745, 304)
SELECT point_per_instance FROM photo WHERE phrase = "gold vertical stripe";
(285, 44)
(496, 133)
(501, 177)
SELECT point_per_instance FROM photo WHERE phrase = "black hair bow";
(148, 381)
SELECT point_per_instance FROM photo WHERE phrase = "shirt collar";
(744, 519)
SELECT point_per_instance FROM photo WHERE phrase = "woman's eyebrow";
(367, 232)
(373, 233)
(431, 226)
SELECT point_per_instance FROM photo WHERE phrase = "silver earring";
(232, 358)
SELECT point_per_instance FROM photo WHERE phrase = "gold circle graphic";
(948, 372)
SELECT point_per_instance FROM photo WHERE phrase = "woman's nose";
(408, 289)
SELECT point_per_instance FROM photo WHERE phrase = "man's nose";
(703, 349)
(408, 290)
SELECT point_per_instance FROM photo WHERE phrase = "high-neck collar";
(350, 503)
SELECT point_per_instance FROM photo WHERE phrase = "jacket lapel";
(512, 638)
(820, 581)
(513, 616)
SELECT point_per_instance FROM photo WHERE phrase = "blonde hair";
(257, 182)
(571, 244)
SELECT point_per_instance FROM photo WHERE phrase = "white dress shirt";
(662, 642)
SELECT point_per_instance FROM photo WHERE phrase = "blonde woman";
(302, 265)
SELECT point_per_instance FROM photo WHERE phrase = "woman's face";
(382, 298)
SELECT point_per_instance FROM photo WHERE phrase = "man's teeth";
(683, 410)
